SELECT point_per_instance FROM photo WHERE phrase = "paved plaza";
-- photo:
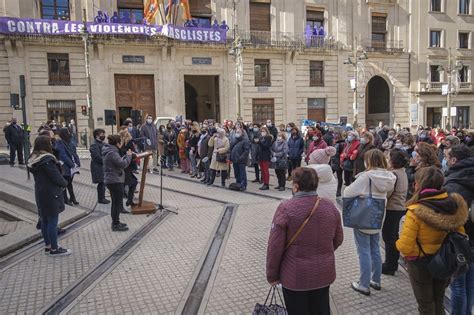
(207, 259)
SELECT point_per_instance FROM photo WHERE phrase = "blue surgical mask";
(350, 138)
(130, 129)
(363, 141)
(414, 154)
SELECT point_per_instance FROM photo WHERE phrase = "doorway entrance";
(134, 92)
(201, 97)
(377, 102)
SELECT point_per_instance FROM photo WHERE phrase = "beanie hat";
(322, 156)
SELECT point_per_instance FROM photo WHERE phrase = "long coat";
(67, 155)
(49, 184)
(97, 166)
(114, 165)
(223, 148)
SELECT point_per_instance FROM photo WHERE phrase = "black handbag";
(221, 158)
(363, 213)
(273, 308)
(281, 164)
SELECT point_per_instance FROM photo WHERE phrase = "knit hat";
(322, 156)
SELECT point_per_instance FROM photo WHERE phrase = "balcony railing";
(435, 86)
(286, 40)
(390, 46)
(465, 86)
(381, 1)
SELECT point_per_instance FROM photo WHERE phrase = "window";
(61, 111)
(435, 38)
(58, 69)
(316, 73)
(317, 109)
(464, 74)
(262, 72)
(315, 18)
(435, 5)
(55, 9)
(130, 11)
(263, 110)
(464, 40)
(260, 16)
(464, 6)
(434, 74)
(379, 31)
(462, 117)
(201, 12)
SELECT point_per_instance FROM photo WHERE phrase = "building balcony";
(386, 2)
(283, 40)
(465, 86)
(434, 86)
(390, 46)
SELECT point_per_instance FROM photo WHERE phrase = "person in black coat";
(49, 186)
(131, 180)
(70, 163)
(264, 155)
(239, 156)
(97, 167)
(14, 135)
(273, 131)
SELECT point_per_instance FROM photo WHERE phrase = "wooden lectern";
(144, 207)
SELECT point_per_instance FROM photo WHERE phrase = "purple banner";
(16, 26)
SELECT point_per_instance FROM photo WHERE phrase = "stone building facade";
(286, 76)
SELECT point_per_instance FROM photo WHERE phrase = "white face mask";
(149, 121)
(264, 133)
(315, 138)
(279, 138)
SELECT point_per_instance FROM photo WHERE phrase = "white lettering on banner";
(66, 28)
(55, 28)
(21, 26)
(135, 29)
(153, 31)
(93, 28)
(106, 28)
(73, 28)
(176, 34)
(47, 27)
(30, 28)
(11, 26)
(81, 28)
(211, 36)
(120, 29)
(218, 36)
(199, 35)
(183, 34)
(38, 27)
(127, 29)
(205, 34)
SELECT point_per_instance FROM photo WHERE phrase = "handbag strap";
(370, 187)
(300, 229)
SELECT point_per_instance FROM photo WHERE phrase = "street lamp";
(236, 52)
(85, 38)
(355, 60)
(452, 71)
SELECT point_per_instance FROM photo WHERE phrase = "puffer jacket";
(309, 263)
(240, 151)
(349, 154)
(428, 220)
(295, 147)
(327, 183)
(359, 164)
(114, 164)
(280, 149)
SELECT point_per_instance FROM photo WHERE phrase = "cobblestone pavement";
(157, 274)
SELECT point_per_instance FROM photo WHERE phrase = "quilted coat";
(309, 263)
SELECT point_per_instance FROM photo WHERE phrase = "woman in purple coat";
(304, 262)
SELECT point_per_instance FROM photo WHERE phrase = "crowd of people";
(426, 177)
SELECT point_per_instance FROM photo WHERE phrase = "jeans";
(192, 159)
(370, 261)
(116, 194)
(307, 302)
(293, 164)
(170, 161)
(390, 236)
(339, 180)
(462, 293)
(240, 173)
(16, 148)
(100, 191)
(49, 229)
(281, 177)
(265, 167)
(429, 292)
(348, 176)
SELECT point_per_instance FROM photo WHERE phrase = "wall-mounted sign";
(133, 59)
(262, 89)
(202, 60)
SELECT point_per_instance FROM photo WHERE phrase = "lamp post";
(356, 61)
(236, 52)
(452, 71)
(85, 39)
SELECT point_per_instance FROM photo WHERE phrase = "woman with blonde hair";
(379, 182)
(131, 180)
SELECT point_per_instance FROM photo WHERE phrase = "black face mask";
(67, 137)
(101, 138)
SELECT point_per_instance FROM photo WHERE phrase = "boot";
(264, 187)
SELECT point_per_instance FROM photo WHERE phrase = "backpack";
(453, 257)
(234, 186)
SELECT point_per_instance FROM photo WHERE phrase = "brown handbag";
(300, 229)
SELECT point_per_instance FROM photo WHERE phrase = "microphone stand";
(160, 205)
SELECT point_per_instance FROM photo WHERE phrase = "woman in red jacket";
(316, 144)
(304, 263)
(349, 155)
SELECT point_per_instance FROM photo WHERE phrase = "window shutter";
(200, 7)
(130, 4)
(260, 19)
(312, 15)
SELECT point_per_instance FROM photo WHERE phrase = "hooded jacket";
(327, 183)
(49, 183)
(383, 182)
(428, 221)
(240, 150)
(114, 164)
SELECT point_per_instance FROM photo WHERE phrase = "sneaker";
(256, 180)
(356, 287)
(124, 211)
(61, 231)
(376, 286)
(281, 189)
(122, 224)
(60, 252)
(264, 187)
(243, 188)
(47, 250)
(119, 228)
(276, 187)
(104, 201)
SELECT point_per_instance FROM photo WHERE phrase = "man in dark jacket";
(459, 178)
(272, 129)
(150, 134)
(239, 156)
(97, 166)
(203, 151)
(15, 138)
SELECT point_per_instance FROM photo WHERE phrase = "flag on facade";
(150, 10)
(186, 10)
(169, 10)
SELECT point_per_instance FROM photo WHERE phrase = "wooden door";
(135, 92)
(317, 109)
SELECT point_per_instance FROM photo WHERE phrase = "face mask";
(255, 129)
(269, 124)
(444, 164)
(398, 145)
(101, 138)
(288, 129)
(264, 134)
(414, 154)
(315, 138)
(390, 136)
(468, 139)
(205, 125)
(149, 121)
(279, 138)
(363, 141)
(350, 138)
(130, 129)
(238, 135)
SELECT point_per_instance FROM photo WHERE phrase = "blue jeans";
(170, 161)
(370, 260)
(49, 229)
(240, 173)
(462, 293)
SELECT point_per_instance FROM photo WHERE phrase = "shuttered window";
(61, 111)
(58, 69)
(314, 18)
(260, 19)
(262, 72)
(200, 8)
(263, 109)
(316, 73)
(379, 31)
(130, 4)
(317, 109)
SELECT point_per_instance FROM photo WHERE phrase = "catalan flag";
(186, 10)
(151, 8)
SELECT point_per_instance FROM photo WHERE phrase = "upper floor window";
(262, 72)
(131, 11)
(316, 73)
(464, 74)
(58, 69)
(201, 12)
(435, 38)
(464, 6)
(434, 74)
(315, 19)
(379, 31)
(435, 5)
(463, 40)
(260, 18)
(55, 9)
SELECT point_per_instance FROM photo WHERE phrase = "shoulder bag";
(300, 229)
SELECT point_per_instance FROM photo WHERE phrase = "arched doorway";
(377, 102)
